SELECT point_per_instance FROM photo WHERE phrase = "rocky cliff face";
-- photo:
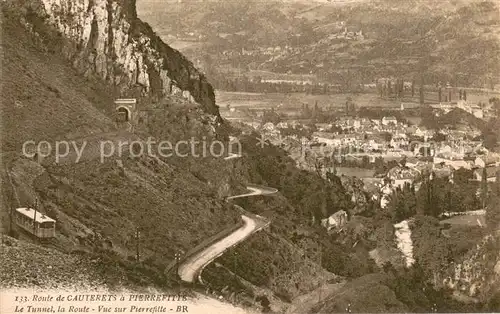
(404, 242)
(478, 275)
(105, 39)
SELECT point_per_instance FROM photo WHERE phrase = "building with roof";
(491, 174)
(455, 164)
(400, 176)
(389, 120)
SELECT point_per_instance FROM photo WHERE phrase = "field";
(466, 220)
(355, 172)
(268, 75)
(182, 45)
(295, 100)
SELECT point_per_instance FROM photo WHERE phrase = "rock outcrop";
(478, 274)
(335, 222)
(404, 242)
(105, 39)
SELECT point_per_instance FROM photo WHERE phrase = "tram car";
(36, 223)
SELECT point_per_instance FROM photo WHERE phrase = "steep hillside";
(457, 43)
(175, 202)
(465, 262)
(458, 117)
(26, 267)
(256, 22)
(43, 98)
(99, 205)
(455, 119)
(105, 39)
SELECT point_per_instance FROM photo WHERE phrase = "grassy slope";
(54, 269)
(95, 202)
(466, 38)
(53, 101)
(25, 265)
(286, 258)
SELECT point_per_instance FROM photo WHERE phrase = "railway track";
(51, 243)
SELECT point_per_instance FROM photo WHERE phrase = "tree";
(306, 111)
(493, 211)
(490, 139)
(380, 90)
(401, 88)
(427, 197)
(348, 105)
(316, 110)
(271, 116)
(429, 248)
(462, 176)
(439, 137)
(497, 182)
(365, 161)
(404, 161)
(403, 203)
(386, 136)
(264, 302)
(484, 187)
(495, 102)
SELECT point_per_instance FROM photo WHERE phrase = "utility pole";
(320, 257)
(137, 238)
(34, 216)
(484, 187)
(348, 308)
(421, 90)
(8, 203)
(177, 261)
(11, 214)
(235, 254)
(434, 308)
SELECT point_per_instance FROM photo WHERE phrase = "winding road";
(232, 156)
(255, 190)
(192, 267)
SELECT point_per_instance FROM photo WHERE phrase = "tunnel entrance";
(123, 114)
(126, 110)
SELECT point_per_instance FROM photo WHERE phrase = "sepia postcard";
(250, 156)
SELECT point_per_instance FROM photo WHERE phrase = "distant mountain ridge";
(457, 41)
